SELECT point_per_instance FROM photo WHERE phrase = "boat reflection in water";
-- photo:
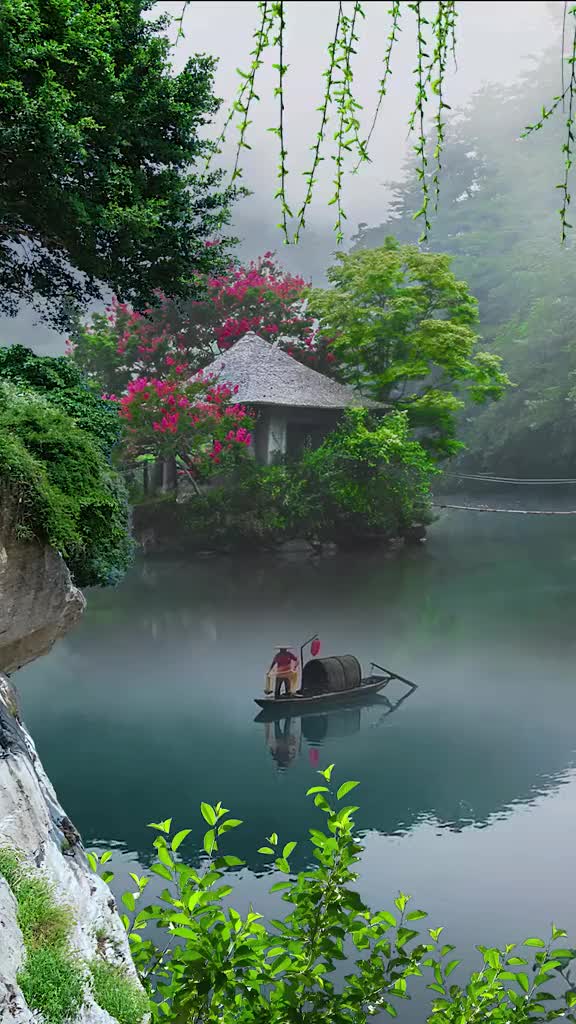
(284, 736)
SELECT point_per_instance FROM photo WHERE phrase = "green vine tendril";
(281, 68)
(568, 95)
(310, 175)
(395, 13)
(347, 133)
(422, 73)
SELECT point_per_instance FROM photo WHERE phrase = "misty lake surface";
(468, 792)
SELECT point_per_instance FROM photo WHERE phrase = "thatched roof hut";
(297, 405)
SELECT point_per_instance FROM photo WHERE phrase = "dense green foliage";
(367, 481)
(50, 978)
(403, 326)
(211, 963)
(494, 218)
(55, 472)
(99, 144)
(64, 385)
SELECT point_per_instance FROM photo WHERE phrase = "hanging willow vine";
(435, 41)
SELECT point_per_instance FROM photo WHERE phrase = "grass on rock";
(117, 993)
(51, 979)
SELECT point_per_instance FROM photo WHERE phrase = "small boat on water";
(324, 683)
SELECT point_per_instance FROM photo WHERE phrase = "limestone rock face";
(32, 820)
(38, 601)
(39, 604)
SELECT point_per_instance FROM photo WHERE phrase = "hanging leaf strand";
(346, 136)
(442, 30)
(324, 107)
(281, 68)
(566, 97)
(395, 13)
(422, 74)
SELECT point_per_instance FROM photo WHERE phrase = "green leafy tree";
(494, 219)
(403, 329)
(56, 441)
(99, 145)
(367, 479)
(64, 385)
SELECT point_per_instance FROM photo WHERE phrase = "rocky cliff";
(39, 604)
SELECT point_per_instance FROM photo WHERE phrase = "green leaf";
(164, 857)
(401, 901)
(129, 901)
(161, 826)
(451, 967)
(390, 1009)
(288, 849)
(92, 859)
(208, 813)
(230, 823)
(280, 885)
(273, 839)
(179, 838)
(321, 802)
(492, 957)
(266, 850)
(107, 876)
(516, 961)
(106, 857)
(346, 788)
(327, 773)
(159, 869)
(230, 861)
(317, 789)
(534, 942)
(416, 915)
(210, 841)
(522, 980)
(387, 917)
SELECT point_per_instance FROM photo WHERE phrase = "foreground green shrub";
(51, 979)
(202, 962)
(55, 472)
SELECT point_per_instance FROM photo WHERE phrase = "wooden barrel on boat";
(331, 675)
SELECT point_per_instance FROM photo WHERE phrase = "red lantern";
(315, 647)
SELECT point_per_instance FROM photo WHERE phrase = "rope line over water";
(512, 511)
(506, 479)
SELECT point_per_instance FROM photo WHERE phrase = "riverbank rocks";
(38, 601)
(38, 605)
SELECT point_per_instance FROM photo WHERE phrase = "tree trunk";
(169, 475)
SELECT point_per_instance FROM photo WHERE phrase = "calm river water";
(468, 792)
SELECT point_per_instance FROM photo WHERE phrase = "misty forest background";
(498, 218)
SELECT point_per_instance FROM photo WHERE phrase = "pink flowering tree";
(195, 423)
(122, 344)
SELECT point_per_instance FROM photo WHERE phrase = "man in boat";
(285, 663)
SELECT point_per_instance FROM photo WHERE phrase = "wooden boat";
(302, 702)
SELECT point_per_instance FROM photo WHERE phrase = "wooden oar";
(395, 675)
